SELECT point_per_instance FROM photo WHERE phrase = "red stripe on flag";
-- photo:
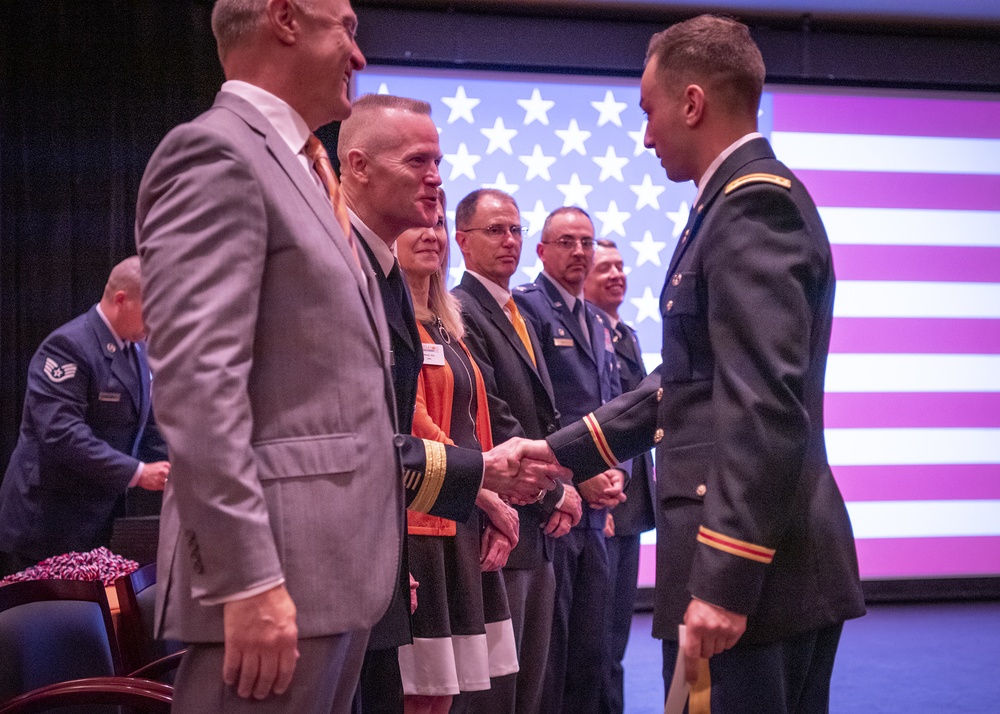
(911, 410)
(923, 482)
(873, 335)
(894, 116)
(872, 189)
(906, 262)
(929, 557)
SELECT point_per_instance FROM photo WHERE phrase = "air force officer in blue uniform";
(577, 346)
(86, 428)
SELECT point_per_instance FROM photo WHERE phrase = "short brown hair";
(716, 53)
(466, 208)
(362, 131)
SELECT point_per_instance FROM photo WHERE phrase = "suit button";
(670, 305)
(659, 394)
(676, 280)
(550, 428)
(658, 436)
(701, 490)
(684, 237)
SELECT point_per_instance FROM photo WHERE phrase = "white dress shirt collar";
(383, 255)
(118, 340)
(726, 153)
(570, 299)
(286, 121)
(496, 291)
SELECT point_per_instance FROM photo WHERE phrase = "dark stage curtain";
(88, 89)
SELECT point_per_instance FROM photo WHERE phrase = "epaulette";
(529, 287)
(757, 178)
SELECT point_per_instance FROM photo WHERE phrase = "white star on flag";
(533, 271)
(536, 218)
(612, 220)
(536, 108)
(647, 194)
(383, 88)
(461, 106)
(609, 109)
(639, 137)
(501, 185)
(679, 218)
(538, 164)
(574, 192)
(499, 137)
(462, 163)
(573, 138)
(647, 306)
(611, 165)
(648, 249)
(455, 273)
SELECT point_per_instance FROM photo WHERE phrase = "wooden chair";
(53, 631)
(137, 694)
(142, 654)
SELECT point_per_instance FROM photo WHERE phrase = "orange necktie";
(520, 328)
(316, 153)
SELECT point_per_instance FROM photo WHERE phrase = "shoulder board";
(757, 178)
(529, 287)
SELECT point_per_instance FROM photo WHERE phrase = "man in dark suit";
(389, 154)
(577, 347)
(754, 547)
(605, 287)
(504, 344)
(86, 433)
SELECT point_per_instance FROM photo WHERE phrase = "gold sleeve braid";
(436, 463)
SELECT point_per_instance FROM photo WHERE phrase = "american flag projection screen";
(909, 189)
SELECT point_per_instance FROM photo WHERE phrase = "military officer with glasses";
(577, 346)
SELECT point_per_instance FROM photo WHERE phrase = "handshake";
(522, 471)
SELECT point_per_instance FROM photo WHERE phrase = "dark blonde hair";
(442, 304)
(716, 53)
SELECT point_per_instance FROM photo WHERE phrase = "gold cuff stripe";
(434, 470)
(735, 547)
(599, 441)
(757, 178)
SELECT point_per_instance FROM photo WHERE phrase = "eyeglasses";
(498, 231)
(571, 243)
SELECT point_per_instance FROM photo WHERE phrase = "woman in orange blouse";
(462, 633)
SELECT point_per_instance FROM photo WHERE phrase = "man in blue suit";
(87, 432)
(605, 287)
(576, 344)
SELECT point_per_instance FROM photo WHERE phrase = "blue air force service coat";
(86, 425)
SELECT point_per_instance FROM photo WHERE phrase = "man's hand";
(153, 477)
(609, 526)
(413, 593)
(522, 470)
(567, 515)
(501, 516)
(494, 549)
(710, 630)
(261, 643)
(604, 490)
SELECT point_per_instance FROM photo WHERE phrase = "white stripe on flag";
(867, 152)
(910, 226)
(885, 447)
(912, 373)
(902, 298)
(924, 519)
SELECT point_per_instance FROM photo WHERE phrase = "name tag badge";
(563, 341)
(109, 397)
(434, 355)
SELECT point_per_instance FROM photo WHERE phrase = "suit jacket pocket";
(684, 471)
(686, 355)
(307, 456)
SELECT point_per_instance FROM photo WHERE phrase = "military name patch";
(57, 373)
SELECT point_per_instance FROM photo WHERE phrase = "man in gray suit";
(521, 404)
(280, 535)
